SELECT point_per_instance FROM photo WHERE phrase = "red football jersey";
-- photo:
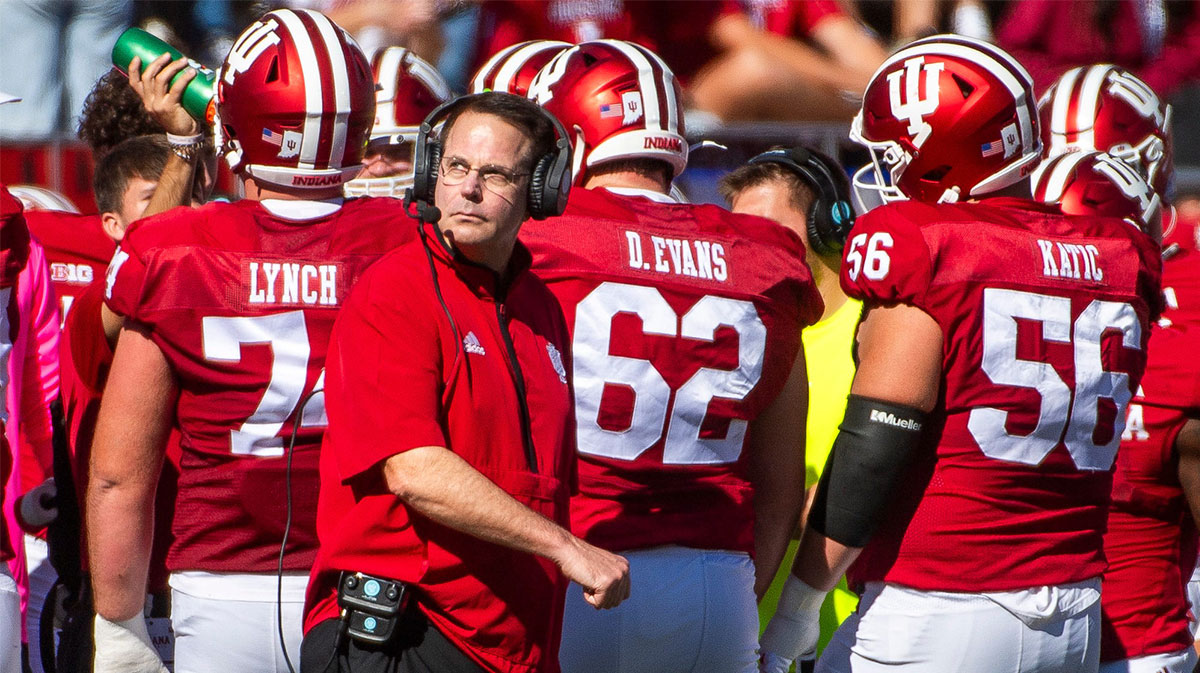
(241, 302)
(77, 249)
(791, 19)
(675, 30)
(85, 358)
(685, 320)
(1151, 540)
(1045, 319)
(1181, 282)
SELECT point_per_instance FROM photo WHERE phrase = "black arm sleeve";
(868, 458)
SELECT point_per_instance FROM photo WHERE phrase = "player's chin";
(468, 228)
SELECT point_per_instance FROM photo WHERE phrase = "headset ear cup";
(818, 228)
(539, 200)
(432, 167)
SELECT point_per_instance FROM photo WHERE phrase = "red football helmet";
(946, 118)
(512, 69)
(620, 101)
(409, 88)
(1108, 109)
(1096, 183)
(295, 101)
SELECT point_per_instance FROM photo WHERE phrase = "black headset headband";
(830, 217)
(550, 177)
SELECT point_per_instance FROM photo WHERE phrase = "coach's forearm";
(442, 486)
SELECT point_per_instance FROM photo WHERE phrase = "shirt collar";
(480, 279)
(657, 197)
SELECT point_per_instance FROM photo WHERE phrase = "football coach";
(450, 455)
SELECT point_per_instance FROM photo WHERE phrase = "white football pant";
(688, 610)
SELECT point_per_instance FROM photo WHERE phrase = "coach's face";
(482, 185)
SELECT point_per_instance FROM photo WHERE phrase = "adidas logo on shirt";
(471, 344)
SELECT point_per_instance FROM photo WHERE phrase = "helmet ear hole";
(934, 176)
(273, 71)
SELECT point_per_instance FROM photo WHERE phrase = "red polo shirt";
(401, 375)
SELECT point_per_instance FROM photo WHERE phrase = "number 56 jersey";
(242, 301)
(685, 321)
(1045, 319)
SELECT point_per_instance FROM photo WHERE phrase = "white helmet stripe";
(430, 77)
(646, 82)
(514, 58)
(341, 86)
(1061, 170)
(385, 96)
(1061, 111)
(479, 84)
(1089, 98)
(313, 98)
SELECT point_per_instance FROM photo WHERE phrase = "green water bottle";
(198, 97)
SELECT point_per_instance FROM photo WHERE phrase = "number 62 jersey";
(1045, 319)
(685, 321)
(241, 301)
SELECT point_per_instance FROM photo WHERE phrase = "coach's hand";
(125, 647)
(794, 629)
(603, 575)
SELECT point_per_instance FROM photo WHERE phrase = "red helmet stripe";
(314, 85)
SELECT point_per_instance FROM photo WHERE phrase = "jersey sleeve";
(887, 261)
(125, 279)
(384, 378)
(1172, 378)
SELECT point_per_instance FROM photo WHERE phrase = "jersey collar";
(657, 197)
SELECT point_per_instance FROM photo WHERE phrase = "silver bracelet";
(186, 147)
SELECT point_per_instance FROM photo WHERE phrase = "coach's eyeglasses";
(497, 179)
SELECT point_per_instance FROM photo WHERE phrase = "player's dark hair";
(113, 112)
(142, 157)
(520, 112)
(802, 193)
(654, 169)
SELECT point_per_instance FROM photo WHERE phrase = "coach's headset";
(549, 180)
(830, 216)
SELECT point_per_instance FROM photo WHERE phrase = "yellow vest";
(830, 366)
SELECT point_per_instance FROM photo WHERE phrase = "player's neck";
(826, 272)
(625, 180)
(259, 191)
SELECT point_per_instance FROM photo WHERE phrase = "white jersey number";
(287, 336)
(595, 366)
(1060, 418)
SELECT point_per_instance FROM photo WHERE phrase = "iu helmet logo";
(249, 47)
(911, 105)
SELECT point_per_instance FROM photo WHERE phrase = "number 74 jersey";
(241, 302)
(1045, 320)
(685, 321)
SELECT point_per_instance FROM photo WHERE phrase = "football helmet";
(1108, 109)
(409, 88)
(946, 118)
(512, 69)
(295, 102)
(619, 100)
(42, 198)
(1096, 183)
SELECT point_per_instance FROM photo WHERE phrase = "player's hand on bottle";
(603, 575)
(163, 100)
(124, 647)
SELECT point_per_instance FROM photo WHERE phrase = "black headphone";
(549, 181)
(830, 216)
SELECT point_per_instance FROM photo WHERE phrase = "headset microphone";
(426, 213)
